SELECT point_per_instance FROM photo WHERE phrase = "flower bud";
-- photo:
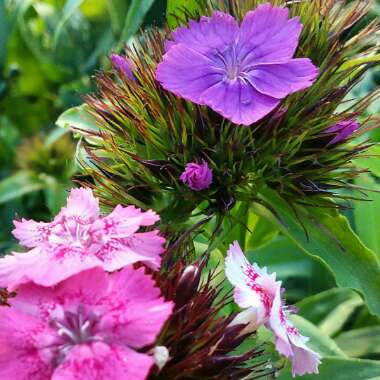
(187, 285)
(197, 176)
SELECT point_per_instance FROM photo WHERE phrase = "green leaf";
(330, 239)
(19, 184)
(174, 8)
(78, 118)
(367, 215)
(263, 233)
(317, 308)
(360, 61)
(360, 342)
(135, 17)
(335, 320)
(336, 368)
(69, 9)
(372, 163)
(117, 10)
(55, 193)
(319, 342)
(283, 257)
(4, 34)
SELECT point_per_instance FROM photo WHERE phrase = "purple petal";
(240, 73)
(238, 102)
(186, 73)
(209, 33)
(268, 36)
(123, 65)
(343, 130)
(280, 80)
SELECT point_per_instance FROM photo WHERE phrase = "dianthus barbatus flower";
(197, 176)
(80, 238)
(342, 130)
(240, 72)
(260, 293)
(87, 327)
(200, 340)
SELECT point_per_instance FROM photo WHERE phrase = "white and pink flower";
(260, 294)
(90, 326)
(79, 238)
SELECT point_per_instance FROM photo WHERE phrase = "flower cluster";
(80, 308)
(70, 317)
(216, 111)
(102, 322)
(238, 99)
(260, 294)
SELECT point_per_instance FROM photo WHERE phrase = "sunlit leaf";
(367, 215)
(327, 235)
(372, 162)
(176, 7)
(360, 342)
(336, 368)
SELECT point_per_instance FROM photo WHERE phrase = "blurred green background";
(49, 49)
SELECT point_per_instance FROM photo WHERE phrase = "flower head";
(240, 72)
(88, 326)
(123, 65)
(260, 294)
(197, 176)
(200, 340)
(342, 130)
(80, 238)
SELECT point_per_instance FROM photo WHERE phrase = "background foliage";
(49, 51)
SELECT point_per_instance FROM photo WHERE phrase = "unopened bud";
(188, 284)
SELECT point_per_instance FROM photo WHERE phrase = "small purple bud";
(123, 65)
(197, 176)
(343, 129)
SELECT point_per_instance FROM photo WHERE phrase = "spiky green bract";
(146, 135)
(200, 340)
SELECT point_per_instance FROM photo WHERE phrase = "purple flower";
(122, 64)
(343, 130)
(197, 176)
(240, 72)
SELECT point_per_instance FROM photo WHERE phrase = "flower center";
(229, 63)
(76, 328)
(73, 328)
(69, 231)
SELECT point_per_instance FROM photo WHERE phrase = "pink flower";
(88, 327)
(260, 294)
(79, 238)
(197, 176)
